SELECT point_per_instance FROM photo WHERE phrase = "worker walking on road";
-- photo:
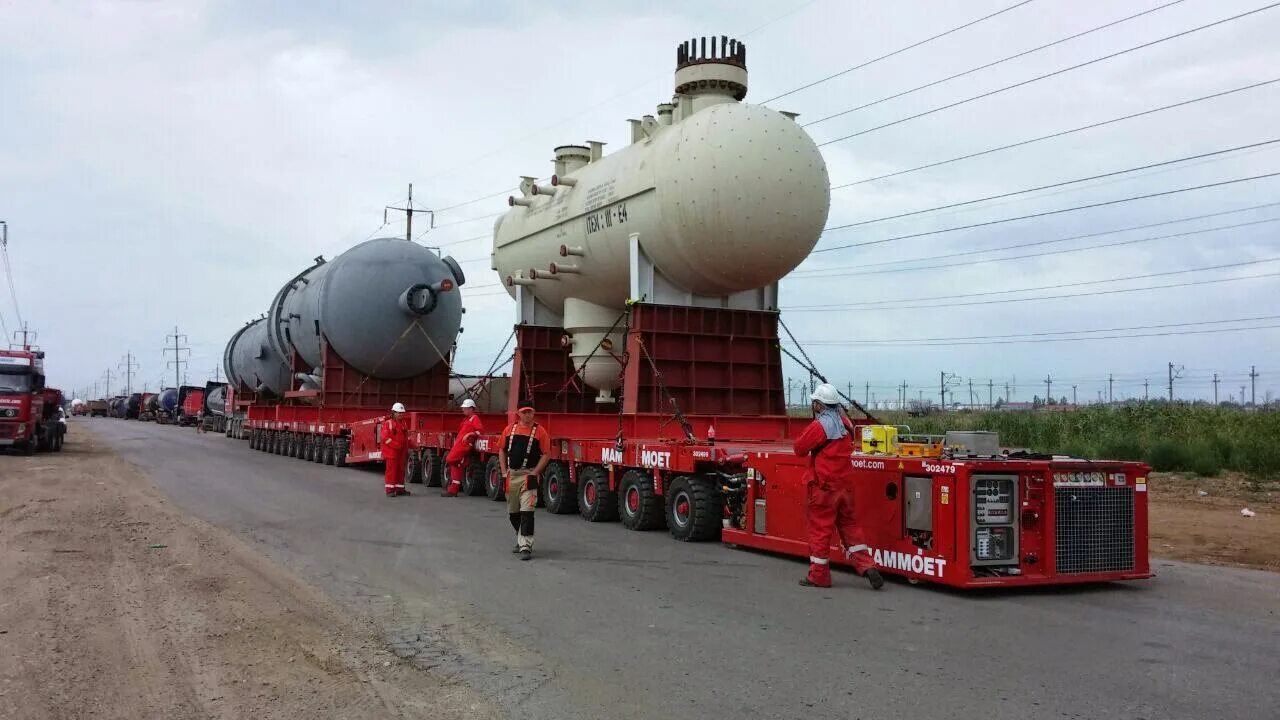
(828, 443)
(456, 460)
(522, 457)
(395, 441)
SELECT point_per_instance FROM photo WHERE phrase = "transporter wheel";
(639, 507)
(326, 451)
(596, 503)
(317, 448)
(473, 478)
(57, 442)
(340, 452)
(309, 448)
(557, 493)
(494, 483)
(274, 442)
(413, 469)
(253, 441)
(431, 467)
(693, 508)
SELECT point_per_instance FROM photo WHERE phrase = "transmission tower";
(178, 363)
(127, 366)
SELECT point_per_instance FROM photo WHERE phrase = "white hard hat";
(398, 407)
(469, 403)
(826, 394)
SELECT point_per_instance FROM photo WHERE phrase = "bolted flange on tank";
(389, 308)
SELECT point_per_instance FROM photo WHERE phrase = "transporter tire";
(253, 441)
(277, 442)
(494, 483)
(473, 478)
(291, 445)
(317, 449)
(559, 495)
(309, 448)
(295, 446)
(431, 467)
(326, 451)
(340, 452)
(413, 468)
(57, 442)
(596, 503)
(639, 507)
(694, 509)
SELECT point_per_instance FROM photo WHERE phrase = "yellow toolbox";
(879, 439)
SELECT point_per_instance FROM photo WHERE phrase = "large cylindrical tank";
(490, 394)
(729, 199)
(251, 362)
(133, 406)
(389, 308)
(215, 399)
(167, 400)
(723, 197)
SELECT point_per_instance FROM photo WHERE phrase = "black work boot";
(874, 577)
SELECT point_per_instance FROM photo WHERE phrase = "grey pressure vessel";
(215, 399)
(251, 361)
(388, 307)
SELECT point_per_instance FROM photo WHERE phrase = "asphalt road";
(607, 623)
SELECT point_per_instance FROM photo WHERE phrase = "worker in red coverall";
(828, 443)
(395, 441)
(456, 460)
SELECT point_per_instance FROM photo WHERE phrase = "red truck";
(190, 403)
(30, 413)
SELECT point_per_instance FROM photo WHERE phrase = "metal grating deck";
(1093, 530)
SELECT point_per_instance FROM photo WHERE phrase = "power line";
(1047, 297)
(1109, 337)
(1037, 243)
(581, 111)
(1063, 183)
(1040, 214)
(469, 220)
(1059, 133)
(883, 341)
(1119, 243)
(993, 63)
(899, 51)
(8, 272)
(1080, 283)
(1045, 76)
(476, 200)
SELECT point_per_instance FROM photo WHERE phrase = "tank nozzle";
(558, 268)
(544, 190)
(420, 299)
(567, 250)
(523, 202)
(513, 281)
(557, 181)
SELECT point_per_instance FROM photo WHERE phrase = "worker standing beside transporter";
(456, 460)
(395, 439)
(522, 457)
(829, 511)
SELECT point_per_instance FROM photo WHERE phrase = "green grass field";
(1201, 439)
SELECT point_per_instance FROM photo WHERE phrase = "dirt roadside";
(113, 604)
(1208, 528)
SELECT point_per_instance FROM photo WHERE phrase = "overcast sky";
(171, 163)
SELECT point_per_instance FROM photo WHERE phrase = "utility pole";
(1048, 388)
(1215, 388)
(970, 393)
(1174, 374)
(1073, 396)
(1253, 382)
(130, 364)
(1111, 384)
(991, 390)
(109, 383)
(1146, 389)
(945, 377)
(177, 362)
(409, 210)
(1006, 392)
(217, 373)
(26, 332)
(866, 394)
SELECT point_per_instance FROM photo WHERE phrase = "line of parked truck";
(183, 406)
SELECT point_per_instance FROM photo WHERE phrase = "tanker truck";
(343, 340)
(166, 406)
(190, 403)
(214, 401)
(647, 336)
